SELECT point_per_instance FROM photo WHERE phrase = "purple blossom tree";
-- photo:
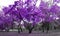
(29, 11)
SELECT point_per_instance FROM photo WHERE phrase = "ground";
(34, 33)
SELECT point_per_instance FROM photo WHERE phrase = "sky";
(9, 2)
(6, 3)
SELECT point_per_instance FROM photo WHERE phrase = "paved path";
(34, 33)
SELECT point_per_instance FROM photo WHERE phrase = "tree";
(29, 11)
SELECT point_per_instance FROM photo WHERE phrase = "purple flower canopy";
(28, 10)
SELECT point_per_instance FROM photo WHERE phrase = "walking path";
(34, 33)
